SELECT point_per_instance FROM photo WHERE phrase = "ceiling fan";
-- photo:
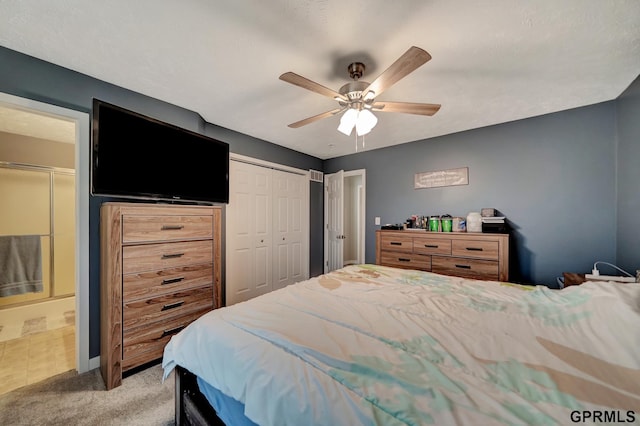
(358, 98)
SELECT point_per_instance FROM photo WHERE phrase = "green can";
(447, 224)
(434, 223)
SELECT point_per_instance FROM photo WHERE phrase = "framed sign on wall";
(438, 178)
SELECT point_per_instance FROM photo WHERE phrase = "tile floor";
(52, 321)
(40, 352)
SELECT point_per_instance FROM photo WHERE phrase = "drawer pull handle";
(394, 243)
(171, 227)
(403, 259)
(431, 246)
(172, 280)
(172, 256)
(474, 248)
(173, 330)
(172, 305)
(463, 266)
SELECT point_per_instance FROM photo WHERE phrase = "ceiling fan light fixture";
(366, 121)
(363, 120)
(348, 121)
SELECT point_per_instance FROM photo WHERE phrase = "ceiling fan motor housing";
(353, 90)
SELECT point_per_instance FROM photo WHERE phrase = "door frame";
(82, 167)
(363, 215)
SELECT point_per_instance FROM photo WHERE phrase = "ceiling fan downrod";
(356, 70)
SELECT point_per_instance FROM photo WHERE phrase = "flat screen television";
(135, 156)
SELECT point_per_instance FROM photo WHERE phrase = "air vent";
(316, 176)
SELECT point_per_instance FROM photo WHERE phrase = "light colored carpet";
(70, 399)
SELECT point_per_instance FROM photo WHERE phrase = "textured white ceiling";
(36, 125)
(493, 61)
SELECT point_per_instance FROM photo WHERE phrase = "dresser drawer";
(143, 285)
(139, 312)
(397, 243)
(431, 245)
(166, 255)
(468, 268)
(408, 260)
(137, 229)
(475, 248)
(143, 344)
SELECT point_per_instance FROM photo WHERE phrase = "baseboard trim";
(94, 363)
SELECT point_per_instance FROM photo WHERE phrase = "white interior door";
(334, 220)
(249, 232)
(288, 214)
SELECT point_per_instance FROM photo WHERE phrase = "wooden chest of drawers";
(160, 270)
(469, 255)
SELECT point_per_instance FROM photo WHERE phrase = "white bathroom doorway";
(45, 148)
(344, 213)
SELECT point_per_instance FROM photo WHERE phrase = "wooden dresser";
(160, 270)
(464, 254)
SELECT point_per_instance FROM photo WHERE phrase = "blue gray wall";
(553, 177)
(628, 126)
(31, 78)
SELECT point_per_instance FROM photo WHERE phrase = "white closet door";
(249, 235)
(288, 226)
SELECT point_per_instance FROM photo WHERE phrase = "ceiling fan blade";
(315, 118)
(411, 60)
(305, 83)
(406, 107)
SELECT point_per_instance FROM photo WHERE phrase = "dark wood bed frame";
(192, 407)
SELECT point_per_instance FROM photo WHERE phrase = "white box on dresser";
(159, 270)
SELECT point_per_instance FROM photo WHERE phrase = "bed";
(374, 345)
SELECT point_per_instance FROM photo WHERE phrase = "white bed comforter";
(376, 345)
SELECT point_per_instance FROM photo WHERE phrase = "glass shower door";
(25, 210)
